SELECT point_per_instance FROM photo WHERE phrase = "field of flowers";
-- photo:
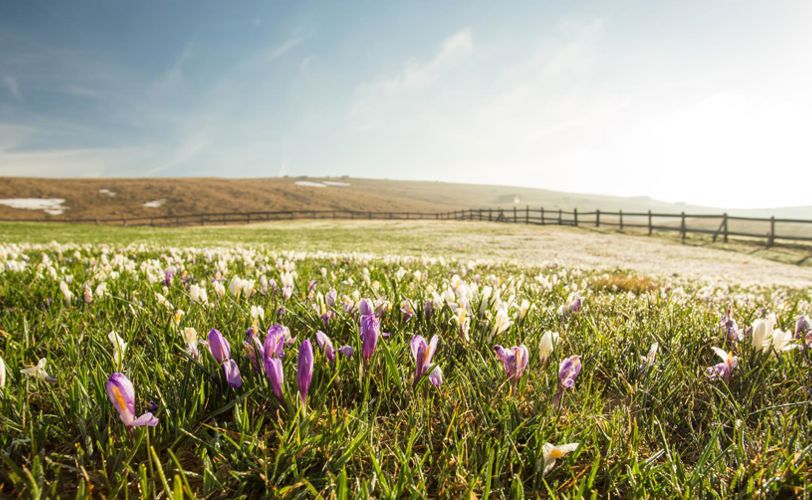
(219, 372)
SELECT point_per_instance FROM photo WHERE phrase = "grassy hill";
(92, 198)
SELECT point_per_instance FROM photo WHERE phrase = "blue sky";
(700, 101)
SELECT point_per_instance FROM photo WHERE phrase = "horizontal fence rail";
(719, 226)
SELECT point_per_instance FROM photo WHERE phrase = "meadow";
(545, 379)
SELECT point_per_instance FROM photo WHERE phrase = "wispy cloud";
(13, 87)
(283, 48)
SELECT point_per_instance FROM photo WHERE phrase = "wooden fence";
(772, 230)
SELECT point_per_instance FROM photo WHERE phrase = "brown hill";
(115, 197)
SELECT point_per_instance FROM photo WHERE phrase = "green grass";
(666, 431)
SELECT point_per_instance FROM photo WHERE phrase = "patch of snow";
(311, 184)
(154, 203)
(105, 191)
(336, 183)
(51, 206)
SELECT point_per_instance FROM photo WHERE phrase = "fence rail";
(720, 226)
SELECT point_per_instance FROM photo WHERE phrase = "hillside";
(112, 197)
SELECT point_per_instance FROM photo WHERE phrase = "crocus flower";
(221, 351)
(568, 371)
(366, 308)
(275, 341)
(330, 297)
(122, 395)
(762, 334)
(546, 345)
(190, 337)
(275, 374)
(423, 353)
(501, 321)
(722, 370)
(729, 326)
(254, 350)
(436, 376)
(38, 371)
(514, 360)
(346, 350)
(647, 361)
(803, 326)
(119, 348)
(168, 277)
(782, 341)
(304, 374)
(551, 453)
(324, 343)
(2, 373)
(407, 309)
(369, 331)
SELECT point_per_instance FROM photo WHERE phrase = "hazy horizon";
(706, 103)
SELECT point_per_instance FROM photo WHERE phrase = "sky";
(706, 102)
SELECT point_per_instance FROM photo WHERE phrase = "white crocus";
(199, 294)
(524, 308)
(648, 360)
(37, 371)
(66, 293)
(190, 337)
(782, 341)
(547, 344)
(762, 334)
(119, 348)
(2, 373)
(501, 322)
(552, 453)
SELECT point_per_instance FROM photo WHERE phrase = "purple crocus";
(729, 327)
(723, 370)
(276, 375)
(428, 308)
(803, 326)
(370, 331)
(221, 352)
(324, 343)
(366, 308)
(407, 309)
(304, 365)
(275, 341)
(514, 360)
(122, 394)
(568, 371)
(423, 353)
(168, 277)
(346, 350)
(330, 297)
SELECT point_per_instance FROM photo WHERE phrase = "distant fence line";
(719, 226)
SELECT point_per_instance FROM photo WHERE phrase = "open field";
(628, 397)
(502, 243)
(103, 198)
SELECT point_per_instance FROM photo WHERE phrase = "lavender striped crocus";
(168, 277)
(366, 308)
(324, 343)
(568, 371)
(122, 394)
(436, 376)
(221, 352)
(514, 360)
(304, 365)
(254, 349)
(276, 375)
(729, 327)
(407, 309)
(723, 370)
(423, 353)
(275, 341)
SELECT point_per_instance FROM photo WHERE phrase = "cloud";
(13, 87)
(373, 100)
(283, 48)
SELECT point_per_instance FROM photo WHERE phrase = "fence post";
(527, 214)
(621, 219)
(724, 226)
(541, 212)
(490, 214)
(771, 236)
(650, 229)
(514, 213)
(597, 217)
(575, 216)
(682, 226)
(560, 220)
